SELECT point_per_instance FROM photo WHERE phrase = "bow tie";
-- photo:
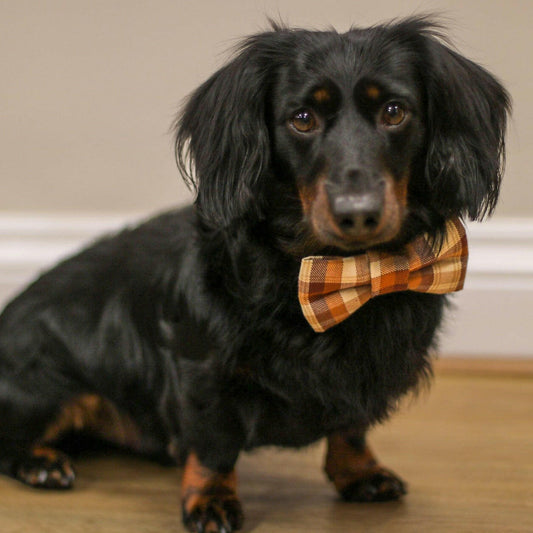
(330, 289)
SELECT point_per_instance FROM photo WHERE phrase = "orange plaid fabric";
(330, 289)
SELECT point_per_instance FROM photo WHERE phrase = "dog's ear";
(466, 120)
(222, 138)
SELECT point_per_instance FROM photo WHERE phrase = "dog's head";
(349, 141)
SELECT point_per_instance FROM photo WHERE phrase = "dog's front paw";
(356, 473)
(209, 499)
(216, 512)
(379, 486)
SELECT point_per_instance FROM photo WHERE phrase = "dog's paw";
(45, 468)
(213, 513)
(379, 486)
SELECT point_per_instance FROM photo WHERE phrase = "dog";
(185, 336)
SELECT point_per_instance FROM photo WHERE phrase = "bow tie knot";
(330, 289)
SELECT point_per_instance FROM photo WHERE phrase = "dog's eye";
(393, 114)
(304, 121)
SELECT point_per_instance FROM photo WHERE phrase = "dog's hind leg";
(28, 433)
(356, 473)
(23, 420)
(44, 467)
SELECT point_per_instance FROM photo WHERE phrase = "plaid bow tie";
(330, 289)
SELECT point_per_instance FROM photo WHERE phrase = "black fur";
(190, 323)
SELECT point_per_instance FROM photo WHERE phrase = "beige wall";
(89, 88)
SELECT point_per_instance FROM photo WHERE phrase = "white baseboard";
(493, 315)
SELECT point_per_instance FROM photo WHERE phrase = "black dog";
(185, 335)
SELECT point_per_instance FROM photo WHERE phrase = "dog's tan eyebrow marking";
(321, 95)
(372, 91)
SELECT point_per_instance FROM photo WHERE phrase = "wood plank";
(485, 367)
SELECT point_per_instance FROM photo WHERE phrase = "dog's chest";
(294, 404)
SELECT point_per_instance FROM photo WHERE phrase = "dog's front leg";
(213, 438)
(356, 473)
(209, 498)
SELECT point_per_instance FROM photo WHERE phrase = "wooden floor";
(466, 449)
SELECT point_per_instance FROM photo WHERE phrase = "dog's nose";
(357, 215)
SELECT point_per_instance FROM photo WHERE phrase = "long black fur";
(190, 323)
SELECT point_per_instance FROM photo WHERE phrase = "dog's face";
(349, 122)
(344, 142)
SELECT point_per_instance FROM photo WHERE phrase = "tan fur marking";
(400, 190)
(316, 207)
(95, 415)
(373, 92)
(394, 207)
(322, 95)
(199, 484)
(345, 464)
(47, 453)
(307, 196)
(322, 216)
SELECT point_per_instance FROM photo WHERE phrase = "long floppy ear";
(466, 117)
(222, 139)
